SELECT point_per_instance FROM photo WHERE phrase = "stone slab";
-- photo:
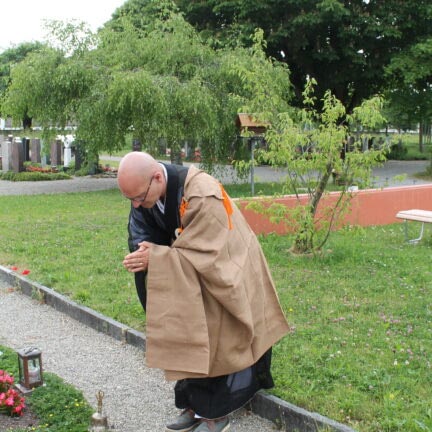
(35, 150)
(6, 155)
(17, 156)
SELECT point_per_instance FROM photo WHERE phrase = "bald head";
(135, 171)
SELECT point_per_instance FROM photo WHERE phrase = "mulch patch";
(27, 420)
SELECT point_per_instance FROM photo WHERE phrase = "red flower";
(10, 401)
(25, 272)
(18, 409)
(5, 379)
(14, 268)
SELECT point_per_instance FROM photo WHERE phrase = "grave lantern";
(30, 369)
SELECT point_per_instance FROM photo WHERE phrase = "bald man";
(144, 182)
(212, 312)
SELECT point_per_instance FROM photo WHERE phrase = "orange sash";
(226, 203)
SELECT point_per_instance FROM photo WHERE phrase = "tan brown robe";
(212, 308)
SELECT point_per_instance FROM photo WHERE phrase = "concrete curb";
(286, 416)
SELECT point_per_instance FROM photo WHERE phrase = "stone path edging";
(287, 416)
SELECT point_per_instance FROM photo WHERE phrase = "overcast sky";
(22, 20)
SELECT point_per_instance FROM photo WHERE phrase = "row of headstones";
(16, 151)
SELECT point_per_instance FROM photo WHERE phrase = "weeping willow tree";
(158, 82)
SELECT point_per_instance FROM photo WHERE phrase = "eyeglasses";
(141, 200)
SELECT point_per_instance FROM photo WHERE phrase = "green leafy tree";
(191, 91)
(8, 59)
(344, 45)
(310, 142)
(40, 85)
(48, 87)
(49, 84)
(410, 88)
(158, 82)
(141, 13)
(73, 37)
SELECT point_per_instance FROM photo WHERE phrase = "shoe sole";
(182, 430)
(226, 427)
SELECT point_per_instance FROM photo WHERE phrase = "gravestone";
(79, 154)
(17, 155)
(26, 148)
(68, 141)
(136, 145)
(35, 150)
(6, 155)
(56, 148)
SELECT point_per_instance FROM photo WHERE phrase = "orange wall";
(368, 207)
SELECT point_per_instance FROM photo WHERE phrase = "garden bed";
(27, 420)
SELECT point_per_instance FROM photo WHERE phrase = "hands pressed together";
(138, 261)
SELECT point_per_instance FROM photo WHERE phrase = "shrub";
(397, 152)
(33, 176)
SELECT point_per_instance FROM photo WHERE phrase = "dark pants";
(216, 397)
(141, 287)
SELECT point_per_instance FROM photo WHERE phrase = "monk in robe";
(212, 311)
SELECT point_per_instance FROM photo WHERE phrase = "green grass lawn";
(361, 314)
(411, 143)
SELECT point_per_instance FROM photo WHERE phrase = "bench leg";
(413, 241)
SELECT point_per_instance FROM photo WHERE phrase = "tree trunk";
(176, 154)
(304, 240)
(421, 130)
(428, 141)
(26, 122)
(427, 137)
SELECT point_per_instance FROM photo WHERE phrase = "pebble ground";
(137, 399)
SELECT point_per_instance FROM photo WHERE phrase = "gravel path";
(383, 176)
(137, 399)
(76, 184)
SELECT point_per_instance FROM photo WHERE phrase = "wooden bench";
(423, 216)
